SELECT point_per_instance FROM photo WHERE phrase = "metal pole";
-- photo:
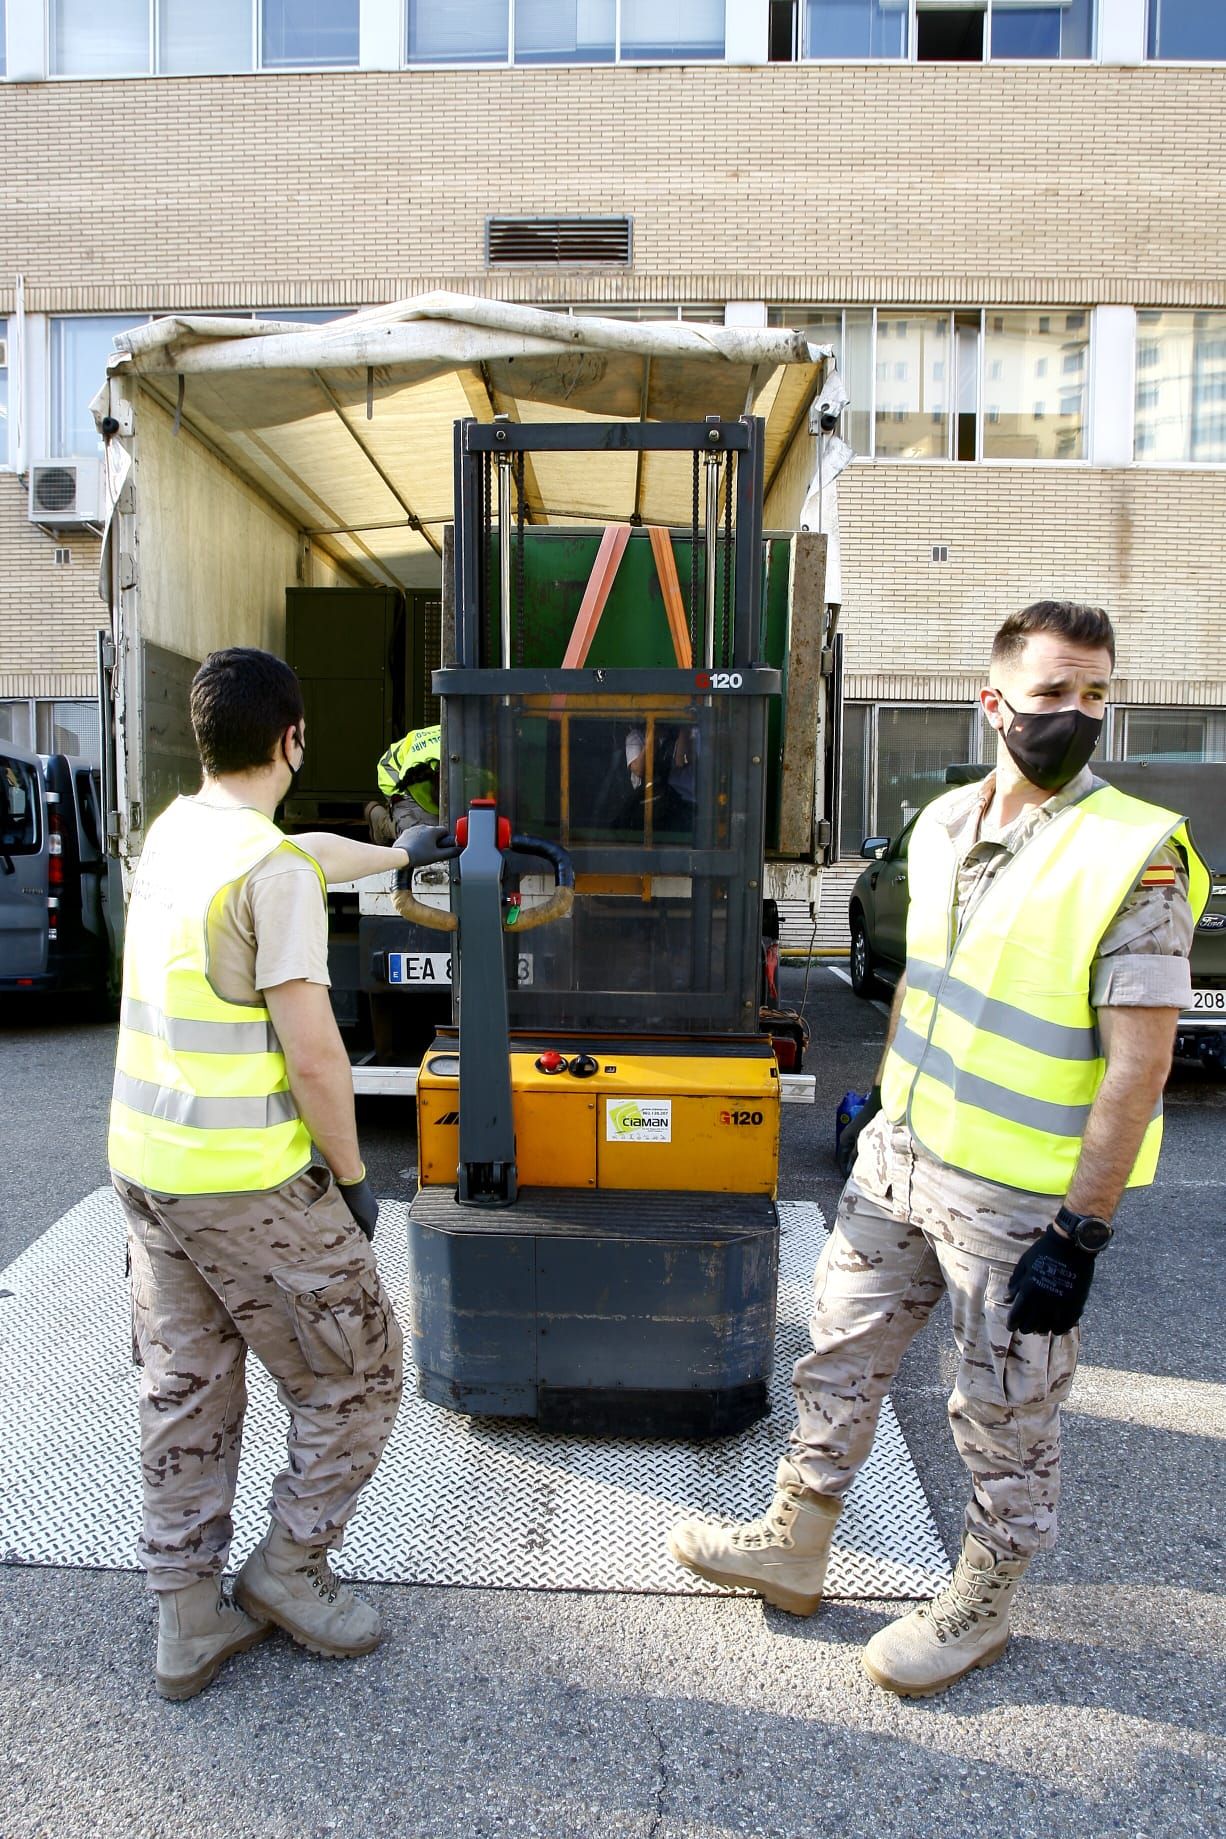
(504, 554)
(712, 533)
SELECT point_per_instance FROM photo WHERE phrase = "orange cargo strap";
(600, 583)
(595, 594)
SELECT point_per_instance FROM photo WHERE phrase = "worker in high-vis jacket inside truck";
(409, 774)
(234, 1150)
(1048, 935)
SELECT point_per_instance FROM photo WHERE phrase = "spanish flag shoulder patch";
(1159, 875)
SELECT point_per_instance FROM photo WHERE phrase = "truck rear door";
(23, 869)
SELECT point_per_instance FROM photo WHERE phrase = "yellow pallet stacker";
(594, 1242)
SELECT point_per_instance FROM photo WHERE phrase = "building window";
(80, 347)
(1178, 735)
(4, 391)
(708, 314)
(17, 723)
(945, 31)
(855, 28)
(131, 38)
(911, 413)
(458, 31)
(661, 29)
(322, 34)
(1024, 350)
(52, 726)
(1183, 356)
(1024, 29)
(850, 332)
(946, 34)
(67, 727)
(904, 405)
(82, 344)
(855, 802)
(562, 31)
(565, 31)
(894, 761)
(299, 316)
(1187, 30)
(195, 40)
(88, 40)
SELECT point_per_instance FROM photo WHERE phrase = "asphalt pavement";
(520, 1713)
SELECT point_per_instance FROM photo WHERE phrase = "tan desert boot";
(783, 1556)
(379, 818)
(196, 1632)
(295, 1587)
(966, 1626)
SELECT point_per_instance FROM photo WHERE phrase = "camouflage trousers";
(878, 1279)
(287, 1275)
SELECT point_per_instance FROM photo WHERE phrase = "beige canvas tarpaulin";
(348, 426)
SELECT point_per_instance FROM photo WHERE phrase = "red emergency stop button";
(551, 1061)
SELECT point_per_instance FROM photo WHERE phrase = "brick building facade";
(1018, 256)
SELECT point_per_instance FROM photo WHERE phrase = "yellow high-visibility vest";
(997, 1060)
(201, 1102)
(420, 747)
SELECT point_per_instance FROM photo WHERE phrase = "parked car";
(52, 925)
(877, 914)
(877, 909)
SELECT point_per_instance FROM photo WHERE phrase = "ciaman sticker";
(639, 1120)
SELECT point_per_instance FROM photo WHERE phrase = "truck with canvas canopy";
(292, 486)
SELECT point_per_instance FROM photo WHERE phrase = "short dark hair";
(242, 702)
(1081, 625)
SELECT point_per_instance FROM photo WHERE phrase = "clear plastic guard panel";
(658, 798)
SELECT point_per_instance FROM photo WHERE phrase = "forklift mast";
(651, 774)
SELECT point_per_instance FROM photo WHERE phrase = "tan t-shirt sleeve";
(290, 920)
(271, 928)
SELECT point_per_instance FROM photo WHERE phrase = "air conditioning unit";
(66, 494)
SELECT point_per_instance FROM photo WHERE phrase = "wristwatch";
(1086, 1230)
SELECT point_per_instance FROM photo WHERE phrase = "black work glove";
(426, 843)
(1049, 1286)
(359, 1197)
(846, 1154)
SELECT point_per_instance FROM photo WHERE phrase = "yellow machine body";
(668, 1118)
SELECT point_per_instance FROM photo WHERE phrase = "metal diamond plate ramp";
(456, 1500)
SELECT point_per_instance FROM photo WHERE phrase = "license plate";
(1211, 1001)
(433, 968)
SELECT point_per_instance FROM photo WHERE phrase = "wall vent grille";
(558, 242)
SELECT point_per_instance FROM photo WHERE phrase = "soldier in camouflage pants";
(287, 1274)
(898, 1244)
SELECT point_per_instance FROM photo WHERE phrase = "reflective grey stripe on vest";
(1062, 1041)
(187, 1108)
(973, 1089)
(191, 1037)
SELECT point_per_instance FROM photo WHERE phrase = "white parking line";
(837, 970)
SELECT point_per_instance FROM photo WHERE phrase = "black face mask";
(1051, 748)
(295, 770)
